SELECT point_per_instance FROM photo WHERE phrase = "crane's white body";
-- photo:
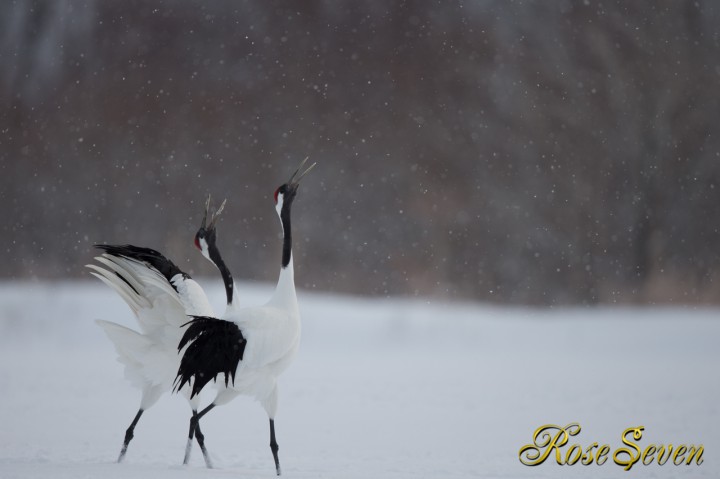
(258, 345)
(163, 299)
(150, 356)
(272, 332)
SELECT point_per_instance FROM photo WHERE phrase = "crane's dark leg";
(195, 428)
(274, 446)
(191, 435)
(129, 435)
(201, 442)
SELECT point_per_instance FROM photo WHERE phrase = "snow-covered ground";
(380, 389)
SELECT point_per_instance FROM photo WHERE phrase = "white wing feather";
(151, 357)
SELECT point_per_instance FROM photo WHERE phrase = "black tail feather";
(216, 347)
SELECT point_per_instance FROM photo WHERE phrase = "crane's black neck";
(287, 232)
(224, 271)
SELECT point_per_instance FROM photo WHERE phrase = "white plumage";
(272, 333)
(250, 346)
(161, 305)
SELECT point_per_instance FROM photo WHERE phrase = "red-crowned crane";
(250, 346)
(162, 297)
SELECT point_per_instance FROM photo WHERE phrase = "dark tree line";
(524, 152)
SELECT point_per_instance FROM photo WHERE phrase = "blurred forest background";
(546, 153)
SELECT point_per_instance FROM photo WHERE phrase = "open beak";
(213, 216)
(294, 181)
(207, 207)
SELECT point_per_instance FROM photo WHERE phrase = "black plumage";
(216, 347)
(148, 256)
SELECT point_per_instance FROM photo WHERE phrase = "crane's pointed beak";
(214, 216)
(207, 207)
(294, 181)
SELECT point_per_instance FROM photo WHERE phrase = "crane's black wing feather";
(148, 256)
(216, 347)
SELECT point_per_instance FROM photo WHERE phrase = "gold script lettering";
(546, 439)
(679, 455)
(647, 457)
(602, 454)
(632, 458)
(696, 453)
(587, 458)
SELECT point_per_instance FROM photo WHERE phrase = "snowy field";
(380, 389)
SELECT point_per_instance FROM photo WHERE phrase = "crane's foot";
(274, 447)
(129, 434)
(201, 442)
